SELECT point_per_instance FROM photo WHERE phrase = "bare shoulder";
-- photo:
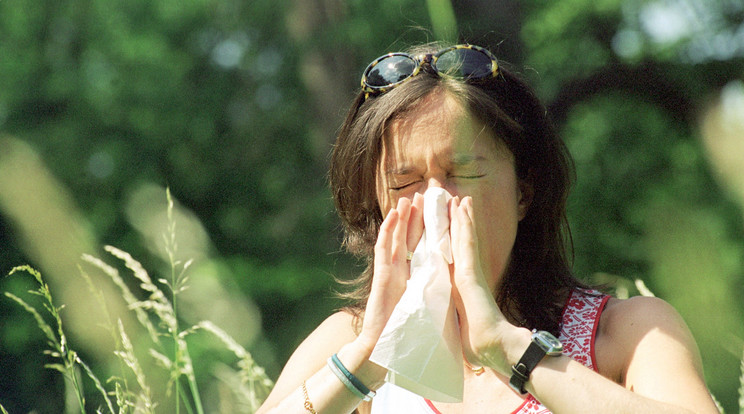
(645, 345)
(311, 355)
(638, 314)
(629, 322)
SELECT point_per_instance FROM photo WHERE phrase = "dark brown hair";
(538, 276)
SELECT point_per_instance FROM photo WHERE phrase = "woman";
(454, 119)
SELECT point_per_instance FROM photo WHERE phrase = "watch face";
(547, 342)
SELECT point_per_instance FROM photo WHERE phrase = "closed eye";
(401, 187)
(469, 177)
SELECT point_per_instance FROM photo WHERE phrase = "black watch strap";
(522, 370)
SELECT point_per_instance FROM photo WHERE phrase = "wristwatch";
(543, 343)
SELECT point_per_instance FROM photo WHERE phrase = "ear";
(526, 195)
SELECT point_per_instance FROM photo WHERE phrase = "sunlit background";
(234, 104)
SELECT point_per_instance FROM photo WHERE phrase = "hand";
(399, 233)
(485, 333)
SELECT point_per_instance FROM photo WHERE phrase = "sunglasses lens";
(390, 70)
(464, 64)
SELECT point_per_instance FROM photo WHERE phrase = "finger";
(415, 222)
(454, 204)
(462, 232)
(384, 244)
(467, 202)
(399, 246)
(461, 213)
(454, 233)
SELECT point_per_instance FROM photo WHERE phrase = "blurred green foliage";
(234, 106)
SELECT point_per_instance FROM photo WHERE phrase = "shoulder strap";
(579, 325)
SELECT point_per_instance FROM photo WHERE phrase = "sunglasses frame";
(419, 61)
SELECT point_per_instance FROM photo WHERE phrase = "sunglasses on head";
(466, 62)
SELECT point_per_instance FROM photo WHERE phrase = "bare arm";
(399, 233)
(308, 363)
(657, 359)
(660, 367)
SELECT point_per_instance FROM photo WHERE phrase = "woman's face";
(439, 144)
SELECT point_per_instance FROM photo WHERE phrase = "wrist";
(355, 357)
(515, 345)
(542, 344)
(507, 350)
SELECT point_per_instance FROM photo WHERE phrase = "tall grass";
(157, 313)
(65, 359)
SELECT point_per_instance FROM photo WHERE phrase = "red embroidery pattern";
(577, 331)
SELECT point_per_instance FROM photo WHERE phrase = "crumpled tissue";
(420, 345)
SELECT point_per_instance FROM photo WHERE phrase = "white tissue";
(420, 345)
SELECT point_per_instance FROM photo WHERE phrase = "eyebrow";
(457, 160)
(463, 159)
(404, 170)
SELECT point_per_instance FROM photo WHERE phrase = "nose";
(435, 182)
(441, 182)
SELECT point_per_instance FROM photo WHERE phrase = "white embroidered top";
(578, 331)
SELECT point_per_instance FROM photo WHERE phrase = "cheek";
(387, 200)
(496, 229)
(384, 202)
(496, 219)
